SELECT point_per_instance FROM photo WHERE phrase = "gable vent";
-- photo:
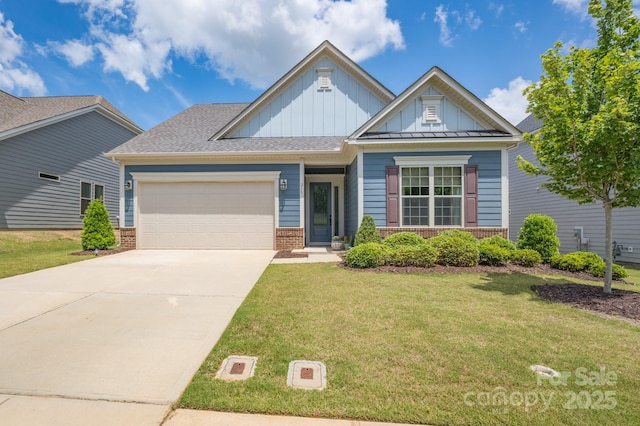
(47, 176)
(324, 78)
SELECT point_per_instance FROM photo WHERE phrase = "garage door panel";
(206, 215)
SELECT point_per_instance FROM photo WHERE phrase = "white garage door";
(206, 215)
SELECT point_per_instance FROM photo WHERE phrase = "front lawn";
(443, 349)
(28, 251)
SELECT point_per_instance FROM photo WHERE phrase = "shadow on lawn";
(515, 283)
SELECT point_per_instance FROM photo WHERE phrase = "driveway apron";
(127, 328)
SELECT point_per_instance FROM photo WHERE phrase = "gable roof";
(324, 49)
(19, 115)
(495, 123)
(530, 124)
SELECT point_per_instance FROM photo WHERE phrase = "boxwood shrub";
(499, 241)
(538, 232)
(456, 248)
(618, 271)
(422, 255)
(493, 254)
(400, 239)
(367, 255)
(526, 257)
(367, 232)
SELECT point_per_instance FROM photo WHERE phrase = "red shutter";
(393, 195)
(471, 196)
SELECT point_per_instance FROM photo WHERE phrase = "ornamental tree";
(589, 102)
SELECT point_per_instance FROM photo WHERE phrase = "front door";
(320, 214)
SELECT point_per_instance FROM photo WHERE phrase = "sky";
(154, 58)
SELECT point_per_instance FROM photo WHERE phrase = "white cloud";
(499, 8)
(75, 52)
(473, 21)
(576, 6)
(510, 102)
(445, 32)
(15, 75)
(521, 27)
(251, 40)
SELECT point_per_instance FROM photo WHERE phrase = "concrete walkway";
(116, 339)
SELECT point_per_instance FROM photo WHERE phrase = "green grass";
(28, 251)
(409, 348)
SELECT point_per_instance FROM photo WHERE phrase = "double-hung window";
(89, 192)
(431, 190)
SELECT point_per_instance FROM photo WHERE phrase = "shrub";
(422, 255)
(526, 257)
(499, 241)
(493, 254)
(539, 233)
(367, 233)
(97, 232)
(400, 239)
(367, 255)
(618, 272)
(577, 261)
(457, 233)
(456, 249)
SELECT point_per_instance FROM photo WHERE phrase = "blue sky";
(152, 59)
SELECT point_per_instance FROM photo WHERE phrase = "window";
(88, 193)
(431, 190)
(431, 109)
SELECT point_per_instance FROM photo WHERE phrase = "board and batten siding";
(528, 196)
(409, 118)
(289, 208)
(489, 183)
(72, 149)
(351, 199)
(304, 110)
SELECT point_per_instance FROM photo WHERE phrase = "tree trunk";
(608, 218)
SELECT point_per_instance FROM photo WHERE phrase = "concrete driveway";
(116, 339)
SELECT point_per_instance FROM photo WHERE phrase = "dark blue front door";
(320, 212)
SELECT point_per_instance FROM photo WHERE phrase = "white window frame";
(92, 194)
(431, 162)
(431, 109)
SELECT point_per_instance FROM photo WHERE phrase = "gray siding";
(489, 183)
(351, 199)
(72, 149)
(303, 110)
(289, 199)
(527, 196)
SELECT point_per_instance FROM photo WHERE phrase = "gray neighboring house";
(51, 159)
(528, 196)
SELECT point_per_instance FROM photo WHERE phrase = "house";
(580, 227)
(52, 162)
(323, 146)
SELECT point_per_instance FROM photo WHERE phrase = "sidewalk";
(315, 255)
(213, 418)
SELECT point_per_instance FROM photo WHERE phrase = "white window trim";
(431, 162)
(92, 193)
(432, 102)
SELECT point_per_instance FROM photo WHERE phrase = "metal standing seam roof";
(190, 132)
(17, 112)
(431, 135)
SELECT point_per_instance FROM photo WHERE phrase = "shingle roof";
(529, 124)
(17, 112)
(191, 132)
(443, 134)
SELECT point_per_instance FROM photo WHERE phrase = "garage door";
(206, 215)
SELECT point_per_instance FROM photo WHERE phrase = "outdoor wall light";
(283, 184)
(128, 185)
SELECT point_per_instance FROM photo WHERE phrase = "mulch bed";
(100, 252)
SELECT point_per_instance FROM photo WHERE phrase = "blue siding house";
(52, 162)
(322, 147)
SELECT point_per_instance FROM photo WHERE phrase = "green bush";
(400, 239)
(526, 257)
(577, 261)
(618, 271)
(539, 233)
(456, 249)
(97, 232)
(457, 233)
(367, 233)
(493, 254)
(422, 255)
(367, 255)
(499, 241)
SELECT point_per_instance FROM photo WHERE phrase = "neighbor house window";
(431, 190)
(89, 192)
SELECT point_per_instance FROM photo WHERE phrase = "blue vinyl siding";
(409, 118)
(289, 199)
(351, 199)
(303, 110)
(72, 149)
(489, 183)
